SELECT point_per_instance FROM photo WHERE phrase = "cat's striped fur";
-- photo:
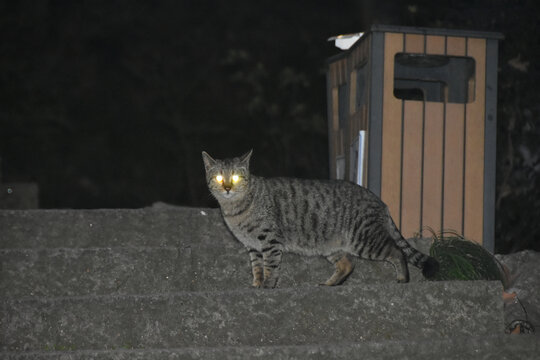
(328, 218)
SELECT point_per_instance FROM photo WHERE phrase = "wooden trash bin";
(412, 116)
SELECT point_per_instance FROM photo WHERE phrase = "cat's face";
(229, 178)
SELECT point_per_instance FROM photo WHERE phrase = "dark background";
(109, 103)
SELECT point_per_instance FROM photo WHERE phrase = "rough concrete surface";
(96, 271)
(63, 253)
(23, 229)
(524, 268)
(172, 283)
(254, 316)
(498, 347)
(100, 271)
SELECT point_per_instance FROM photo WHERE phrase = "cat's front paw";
(257, 283)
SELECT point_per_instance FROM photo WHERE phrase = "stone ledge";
(458, 348)
(254, 317)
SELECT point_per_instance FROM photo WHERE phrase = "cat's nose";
(227, 189)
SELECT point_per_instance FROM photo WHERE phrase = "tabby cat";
(331, 218)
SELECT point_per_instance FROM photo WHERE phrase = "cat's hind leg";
(397, 258)
(344, 268)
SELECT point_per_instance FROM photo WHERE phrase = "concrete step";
(102, 271)
(172, 282)
(158, 226)
(81, 252)
(498, 347)
(253, 317)
(94, 271)
(147, 227)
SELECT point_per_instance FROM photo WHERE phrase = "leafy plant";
(462, 259)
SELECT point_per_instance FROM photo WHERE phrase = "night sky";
(108, 104)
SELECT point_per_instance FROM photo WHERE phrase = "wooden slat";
(391, 130)
(474, 147)
(435, 45)
(363, 117)
(367, 92)
(453, 167)
(412, 168)
(414, 43)
(352, 128)
(433, 166)
(354, 125)
(336, 144)
(352, 92)
(455, 46)
(334, 140)
(333, 127)
(339, 143)
(335, 71)
(343, 72)
(335, 108)
(453, 152)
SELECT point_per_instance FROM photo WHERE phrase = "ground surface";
(168, 282)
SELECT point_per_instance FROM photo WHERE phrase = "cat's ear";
(208, 161)
(245, 158)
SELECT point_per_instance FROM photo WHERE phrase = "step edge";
(250, 290)
(499, 338)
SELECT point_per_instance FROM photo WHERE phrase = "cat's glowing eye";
(219, 178)
(235, 178)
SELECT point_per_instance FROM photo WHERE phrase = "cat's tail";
(429, 265)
